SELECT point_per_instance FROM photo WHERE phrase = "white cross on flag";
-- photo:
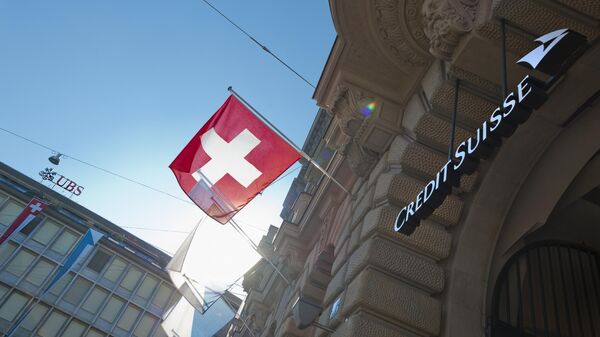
(230, 160)
(29, 213)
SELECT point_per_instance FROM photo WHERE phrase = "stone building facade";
(511, 252)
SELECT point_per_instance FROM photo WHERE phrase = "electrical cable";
(96, 167)
(241, 319)
(285, 175)
(263, 47)
(244, 235)
(157, 229)
(119, 175)
(234, 225)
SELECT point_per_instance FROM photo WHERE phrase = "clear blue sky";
(125, 84)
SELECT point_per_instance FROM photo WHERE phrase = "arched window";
(548, 289)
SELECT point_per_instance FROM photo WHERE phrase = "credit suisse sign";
(552, 57)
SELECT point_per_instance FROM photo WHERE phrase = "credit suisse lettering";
(552, 57)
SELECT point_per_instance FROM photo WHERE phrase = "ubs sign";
(552, 57)
(62, 181)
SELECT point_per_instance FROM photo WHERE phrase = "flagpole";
(282, 135)
(255, 247)
(224, 292)
(240, 230)
(240, 317)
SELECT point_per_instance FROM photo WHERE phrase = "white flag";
(185, 321)
(190, 290)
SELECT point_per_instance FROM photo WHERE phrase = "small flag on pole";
(230, 160)
(29, 213)
(83, 248)
(184, 284)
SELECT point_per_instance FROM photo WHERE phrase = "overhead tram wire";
(262, 46)
(126, 178)
(97, 167)
(237, 227)
(157, 229)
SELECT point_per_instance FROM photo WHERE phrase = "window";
(131, 279)
(9, 213)
(77, 291)
(65, 241)
(46, 232)
(61, 284)
(112, 309)
(95, 300)
(20, 263)
(98, 261)
(52, 324)
(74, 329)
(15, 302)
(3, 290)
(94, 333)
(32, 225)
(147, 287)
(162, 296)
(115, 269)
(34, 317)
(128, 318)
(6, 250)
(145, 326)
(39, 272)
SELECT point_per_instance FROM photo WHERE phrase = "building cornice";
(81, 218)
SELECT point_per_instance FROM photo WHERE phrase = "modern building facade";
(513, 250)
(119, 289)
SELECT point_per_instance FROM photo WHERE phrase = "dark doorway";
(548, 289)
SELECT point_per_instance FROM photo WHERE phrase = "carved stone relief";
(293, 262)
(446, 21)
(360, 158)
(391, 16)
(353, 123)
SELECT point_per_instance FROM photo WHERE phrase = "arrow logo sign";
(548, 41)
(555, 47)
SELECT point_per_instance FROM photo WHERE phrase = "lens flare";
(368, 109)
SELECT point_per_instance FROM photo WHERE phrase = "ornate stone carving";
(446, 21)
(360, 159)
(353, 124)
(347, 109)
(292, 263)
(390, 17)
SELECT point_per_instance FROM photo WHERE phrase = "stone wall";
(341, 250)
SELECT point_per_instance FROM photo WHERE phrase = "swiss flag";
(230, 160)
(29, 213)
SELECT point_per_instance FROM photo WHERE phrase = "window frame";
(95, 252)
(19, 293)
(54, 241)
(83, 295)
(36, 231)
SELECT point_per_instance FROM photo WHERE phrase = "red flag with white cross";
(230, 160)
(29, 213)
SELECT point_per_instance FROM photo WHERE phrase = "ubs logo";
(50, 175)
(554, 56)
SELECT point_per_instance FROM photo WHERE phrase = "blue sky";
(125, 84)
